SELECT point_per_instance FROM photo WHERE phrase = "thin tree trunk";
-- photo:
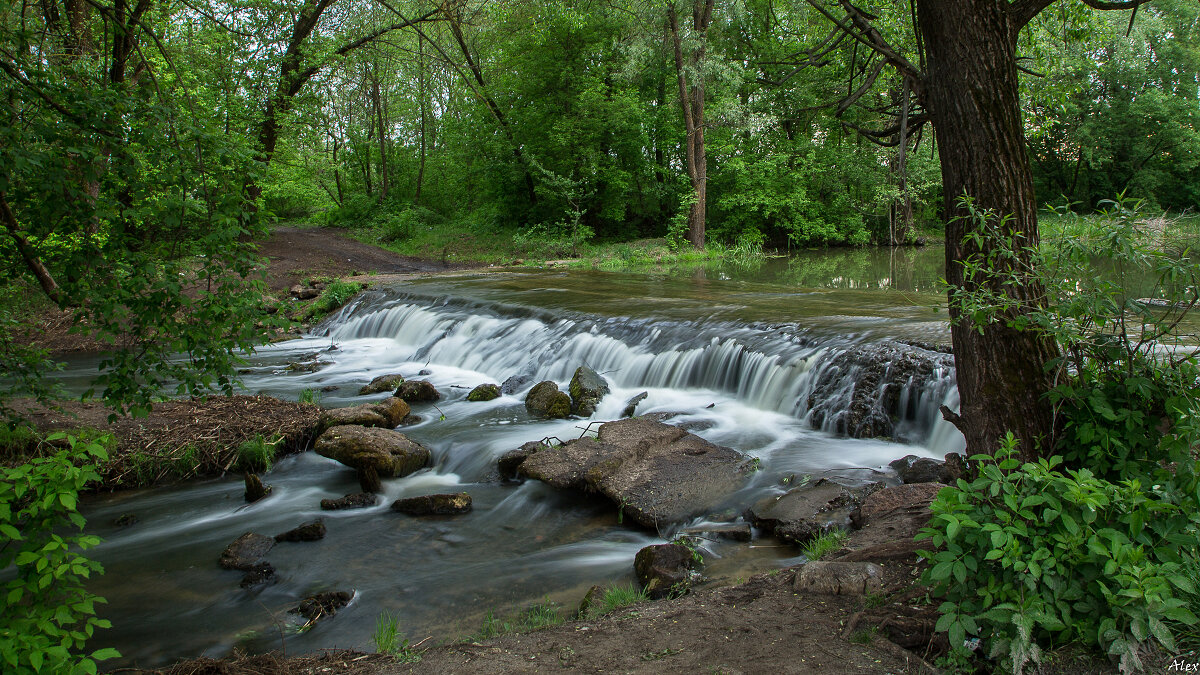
(423, 96)
(691, 99)
(378, 103)
(971, 92)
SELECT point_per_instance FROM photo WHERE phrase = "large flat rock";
(655, 472)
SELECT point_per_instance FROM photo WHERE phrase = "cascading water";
(740, 374)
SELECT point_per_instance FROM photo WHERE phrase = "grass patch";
(312, 396)
(537, 616)
(616, 597)
(824, 544)
(335, 295)
(389, 640)
(257, 454)
(17, 439)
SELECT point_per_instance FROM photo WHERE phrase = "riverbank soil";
(761, 626)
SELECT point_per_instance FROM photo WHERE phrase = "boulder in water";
(418, 391)
(382, 383)
(245, 551)
(434, 505)
(859, 393)
(547, 400)
(359, 500)
(387, 414)
(386, 453)
(655, 472)
(805, 512)
(587, 389)
(664, 569)
(311, 531)
(514, 384)
(484, 392)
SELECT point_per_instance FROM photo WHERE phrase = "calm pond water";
(735, 349)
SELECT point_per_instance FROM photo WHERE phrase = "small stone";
(418, 391)
(382, 383)
(663, 569)
(255, 489)
(307, 532)
(360, 500)
(514, 384)
(323, 605)
(632, 404)
(593, 595)
(484, 392)
(434, 505)
(411, 419)
(913, 469)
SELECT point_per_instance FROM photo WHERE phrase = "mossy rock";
(484, 392)
(548, 401)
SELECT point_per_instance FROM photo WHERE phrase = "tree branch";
(49, 286)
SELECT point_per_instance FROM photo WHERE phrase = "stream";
(736, 350)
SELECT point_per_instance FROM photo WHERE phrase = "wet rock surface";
(663, 569)
(382, 383)
(510, 462)
(514, 384)
(323, 605)
(859, 393)
(245, 551)
(259, 574)
(805, 512)
(656, 473)
(434, 505)
(730, 531)
(311, 531)
(484, 392)
(389, 454)
(587, 389)
(913, 469)
(632, 404)
(418, 391)
(359, 500)
(546, 400)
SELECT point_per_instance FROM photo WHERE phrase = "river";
(735, 349)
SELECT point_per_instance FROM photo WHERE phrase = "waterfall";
(779, 368)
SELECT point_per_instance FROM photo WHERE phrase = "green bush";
(1031, 555)
(334, 296)
(46, 615)
(394, 227)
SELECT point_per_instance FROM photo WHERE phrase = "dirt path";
(298, 253)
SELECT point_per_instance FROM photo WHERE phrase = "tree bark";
(971, 94)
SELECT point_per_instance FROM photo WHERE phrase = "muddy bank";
(182, 439)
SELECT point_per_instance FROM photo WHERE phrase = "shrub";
(1055, 556)
(46, 615)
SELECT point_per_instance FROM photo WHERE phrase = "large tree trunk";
(971, 93)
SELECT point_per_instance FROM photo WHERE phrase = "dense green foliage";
(46, 615)
(1089, 544)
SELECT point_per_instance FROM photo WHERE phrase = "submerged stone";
(360, 500)
(311, 531)
(245, 551)
(434, 505)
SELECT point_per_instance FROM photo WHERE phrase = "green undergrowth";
(614, 598)
(389, 640)
(539, 615)
(335, 294)
(824, 544)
